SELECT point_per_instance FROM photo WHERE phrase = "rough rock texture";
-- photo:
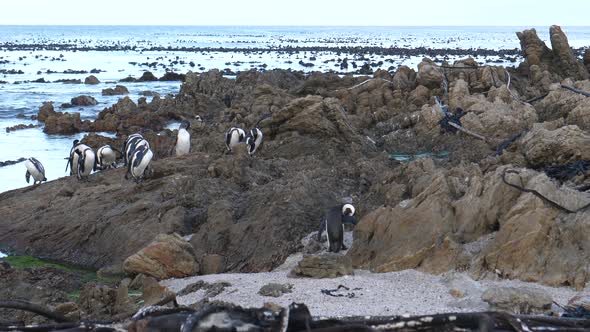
(102, 302)
(118, 90)
(525, 301)
(564, 60)
(91, 80)
(275, 290)
(545, 147)
(429, 74)
(327, 265)
(153, 293)
(212, 264)
(168, 256)
(83, 101)
(587, 59)
(63, 123)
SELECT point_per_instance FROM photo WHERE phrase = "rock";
(147, 77)
(69, 310)
(111, 272)
(566, 63)
(522, 300)
(118, 90)
(45, 111)
(212, 264)
(404, 79)
(587, 59)
(582, 299)
(534, 49)
(211, 290)
(83, 101)
(63, 123)
(168, 256)
(327, 265)
(154, 293)
(429, 74)
(98, 301)
(171, 76)
(91, 80)
(543, 147)
(275, 290)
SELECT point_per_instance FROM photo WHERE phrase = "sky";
(298, 12)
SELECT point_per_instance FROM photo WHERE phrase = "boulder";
(99, 301)
(275, 290)
(544, 147)
(522, 300)
(534, 49)
(153, 293)
(91, 80)
(45, 111)
(327, 265)
(118, 90)
(63, 123)
(565, 62)
(212, 264)
(168, 256)
(147, 77)
(404, 79)
(172, 76)
(429, 74)
(83, 101)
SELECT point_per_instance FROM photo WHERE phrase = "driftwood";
(583, 93)
(298, 318)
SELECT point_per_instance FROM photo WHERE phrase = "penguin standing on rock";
(333, 225)
(131, 144)
(35, 169)
(106, 157)
(254, 140)
(233, 137)
(77, 148)
(86, 162)
(139, 162)
(183, 140)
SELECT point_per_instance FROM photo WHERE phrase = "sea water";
(28, 53)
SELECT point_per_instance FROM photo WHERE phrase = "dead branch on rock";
(468, 132)
(365, 82)
(538, 194)
(514, 96)
(34, 308)
(571, 88)
(532, 100)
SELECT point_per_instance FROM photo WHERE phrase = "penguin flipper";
(321, 230)
(28, 176)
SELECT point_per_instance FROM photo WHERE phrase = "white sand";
(405, 292)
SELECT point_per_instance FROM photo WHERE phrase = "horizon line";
(291, 25)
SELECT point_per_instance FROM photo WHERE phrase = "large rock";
(429, 74)
(91, 80)
(404, 79)
(565, 61)
(327, 265)
(83, 101)
(544, 147)
(524, 301)
(537, 242)
(63, 123)
(45, 111)
(168, 256)
(118, 90)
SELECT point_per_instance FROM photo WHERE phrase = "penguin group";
(137, 156)
(236, 136)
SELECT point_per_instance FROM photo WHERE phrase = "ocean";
(54, 53)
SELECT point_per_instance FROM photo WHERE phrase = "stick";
(364, 82)
(35, 308)
(468, 132)
(583, 93)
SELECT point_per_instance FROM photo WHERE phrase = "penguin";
(254, 140)
(73, 158)
(183, 140)
(86, 162)
(106, 157)
(233, 137)
(139, 162)
(333, 225)
(131, 144)
(35, 169)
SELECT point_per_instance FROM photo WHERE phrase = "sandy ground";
(407, 292)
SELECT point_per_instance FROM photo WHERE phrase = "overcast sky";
(298, 12)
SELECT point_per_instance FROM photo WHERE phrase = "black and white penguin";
(183, 140)
(131, 144)
(254, 140)
(86, 162)
(35, 169)
(333, 225)
(139, 162)
(233, 137)
(73, 158)
(106, 157)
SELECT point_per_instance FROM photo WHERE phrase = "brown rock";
(545, 147)
(429, 74)
(168, 256)
(565, 61)
(275, 290)
(587, 58)
(45, 111)
(83, 101)
(155, 294)
(91, 80)
(147, 77)
(522, 300)
(582, 299)
(534, 49)
(404, 79)
(212, 264)
(63, 123)
(327, 265)
(118, 90)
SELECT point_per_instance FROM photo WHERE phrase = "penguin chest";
(137, 171)
(183, 142)
(107, 157)
(88, 163)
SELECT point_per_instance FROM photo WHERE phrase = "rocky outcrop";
(429, 74)
(543, 147)
(559, 60)
(168, 256)
(63, 123)
(326, 265)
(118, 90)
(524, 301)
(587, 59)
(83, 101)
(45, 111)
(91, 80)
